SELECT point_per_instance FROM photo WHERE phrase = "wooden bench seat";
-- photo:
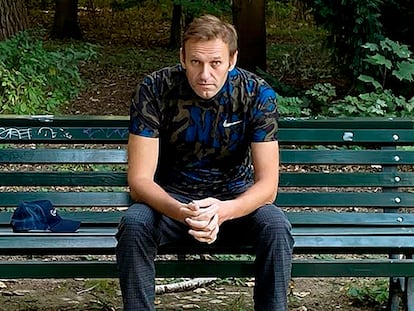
(347, 187)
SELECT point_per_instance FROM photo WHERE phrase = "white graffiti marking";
(51, 133)
(13, 133)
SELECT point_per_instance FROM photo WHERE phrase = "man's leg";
(274, 247)
(270, 232)
(140, 233)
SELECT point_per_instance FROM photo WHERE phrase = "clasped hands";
(203, 219)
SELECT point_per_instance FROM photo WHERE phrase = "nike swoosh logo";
(228, 124)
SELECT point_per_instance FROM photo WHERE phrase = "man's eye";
(216, 63)
(195, 62)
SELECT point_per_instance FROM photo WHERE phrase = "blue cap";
(40, 216)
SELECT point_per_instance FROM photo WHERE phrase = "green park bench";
(347, 186)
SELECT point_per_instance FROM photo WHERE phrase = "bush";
(37, 80)
(388, 61)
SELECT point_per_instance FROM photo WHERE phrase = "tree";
(185, 10)
(66, 24)
(249, 19)
(13, 18)
(175, 29)
(399, 29)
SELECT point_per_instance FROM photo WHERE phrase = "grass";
(134, 59)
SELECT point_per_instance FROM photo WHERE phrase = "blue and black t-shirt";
(204, 144)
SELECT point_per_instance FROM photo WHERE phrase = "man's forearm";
(149, 192)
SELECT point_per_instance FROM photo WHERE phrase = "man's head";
(208, 53)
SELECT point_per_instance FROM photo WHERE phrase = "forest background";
(324, 58)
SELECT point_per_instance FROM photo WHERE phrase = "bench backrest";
(79, 163)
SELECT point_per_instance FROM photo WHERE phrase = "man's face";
(207, 64)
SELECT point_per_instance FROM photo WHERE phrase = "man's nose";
(205, 72)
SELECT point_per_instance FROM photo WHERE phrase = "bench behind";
(346, 186)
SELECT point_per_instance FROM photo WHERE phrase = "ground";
(52, 295)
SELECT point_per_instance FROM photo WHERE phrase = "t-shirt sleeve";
(265, 115)
(144, 112)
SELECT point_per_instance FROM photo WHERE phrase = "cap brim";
(65, 225)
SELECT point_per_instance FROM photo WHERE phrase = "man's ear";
(233, 60)
(182, 58)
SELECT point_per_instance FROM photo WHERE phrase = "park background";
(324, 58)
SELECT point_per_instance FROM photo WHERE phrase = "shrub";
(35, 79)
(388, 60)
(373, 292)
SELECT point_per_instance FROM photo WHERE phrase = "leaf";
(371, 46)
(401, 50)
(405, 71)
(369, 79)
(378, 59)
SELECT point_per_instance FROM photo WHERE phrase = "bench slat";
(347, 123)
(92, 231)
(114, 156)
(284, 199)
(104, 244)
(51, 133)
(342, 157)
(346, 199)
(303, 219)
(112, 179)
(311, 136)
(63, 156)
(63, 135)
(369, 179)
(287, 179)
(68, 199)
(224, 269)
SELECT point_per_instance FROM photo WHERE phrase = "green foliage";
(197, 7)
(319, 96)
(350, 24)
(369, 292)
(289, 104)
(35, 79)
(373, 104)
(294, 107)
(387, 60)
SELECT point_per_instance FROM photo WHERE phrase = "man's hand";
(204, 222)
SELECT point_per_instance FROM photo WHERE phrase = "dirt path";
(81, 294)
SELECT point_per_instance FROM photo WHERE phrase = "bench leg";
(396, 289)
(410, 293)
(409, 290)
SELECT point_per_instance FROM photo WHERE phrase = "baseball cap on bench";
(40, 216)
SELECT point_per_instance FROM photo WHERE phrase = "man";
(197, 132)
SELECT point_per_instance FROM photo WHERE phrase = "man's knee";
(275, 225)
(136, 222)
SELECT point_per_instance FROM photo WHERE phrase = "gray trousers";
(142, 230)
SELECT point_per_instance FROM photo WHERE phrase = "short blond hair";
(209, 27)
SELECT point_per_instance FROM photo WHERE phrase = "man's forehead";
(212, 49)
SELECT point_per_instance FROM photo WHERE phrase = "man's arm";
(142, 163)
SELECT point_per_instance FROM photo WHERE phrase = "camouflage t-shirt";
(204, 144)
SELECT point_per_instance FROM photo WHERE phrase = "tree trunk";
(65, 25)
(175, 29)
(13, 18)
(250, 22)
